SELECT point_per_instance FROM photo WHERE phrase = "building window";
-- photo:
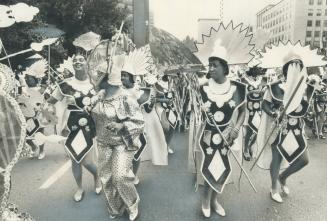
(309, 23)
(318, 23)
(310, 12)
(324, 34)
(308, 33)
(311, 2)
(307, 43)
(319, 2)
(319, 12)
(317, 33)
(325, 11)
(325, 23)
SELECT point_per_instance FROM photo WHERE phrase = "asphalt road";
(167, 192)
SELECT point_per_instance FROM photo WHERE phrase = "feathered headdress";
(139, 62)
(280, 54)
(37, 69)
(66, 65)
(233, 44)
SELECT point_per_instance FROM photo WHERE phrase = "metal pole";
(49, 68)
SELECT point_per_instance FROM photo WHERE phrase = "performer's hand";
(115, 127)
(233, 134)
(210, 116)
(275, 114)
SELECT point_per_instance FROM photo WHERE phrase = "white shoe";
(133, 214)
(41, 156)
(276, 197)
(170, 151)
(98, 186)
(136, 180)
(219, 209)
(206, 212)
(78, 196)
(98, 190)
(284, 188)
(112, 217)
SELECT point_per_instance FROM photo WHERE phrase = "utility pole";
(141, 26)
(221, 10)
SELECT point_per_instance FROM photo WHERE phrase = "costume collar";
(219, 89)
(82, 86)
(254, 83)
(219, 93)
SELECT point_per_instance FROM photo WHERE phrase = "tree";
(74, 17)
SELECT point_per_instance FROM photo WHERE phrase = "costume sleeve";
(267, 103)
(132, 119)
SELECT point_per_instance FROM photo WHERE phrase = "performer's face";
(79, 63)
(126, 80)
(216, 71)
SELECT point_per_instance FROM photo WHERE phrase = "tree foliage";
(74, 17)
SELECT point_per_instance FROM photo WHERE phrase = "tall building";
(295, 20)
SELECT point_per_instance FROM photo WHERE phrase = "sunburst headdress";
(232, 44)
(295, 85)
(139, 61)
(280, 54)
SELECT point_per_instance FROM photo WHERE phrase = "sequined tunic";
(116, 151)
(216, 167)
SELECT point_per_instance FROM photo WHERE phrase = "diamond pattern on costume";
(30, 125)
(217, 167)
(290, 143)
(207, 137)
(256, 120)
(172, 117)
(79, 142)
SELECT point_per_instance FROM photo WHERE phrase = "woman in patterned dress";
(119, 123)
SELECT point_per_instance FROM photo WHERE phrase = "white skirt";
(156, 149)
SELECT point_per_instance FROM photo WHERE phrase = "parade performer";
(119, 124)
(77, 92)
(281, 133)
(137, 64)
(157, 150)
(319, 105)
(165, 108)
(255, 88)
(224, 106)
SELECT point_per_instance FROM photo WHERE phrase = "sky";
(179, 17)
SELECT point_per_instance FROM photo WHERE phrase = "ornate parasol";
(87, 41)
